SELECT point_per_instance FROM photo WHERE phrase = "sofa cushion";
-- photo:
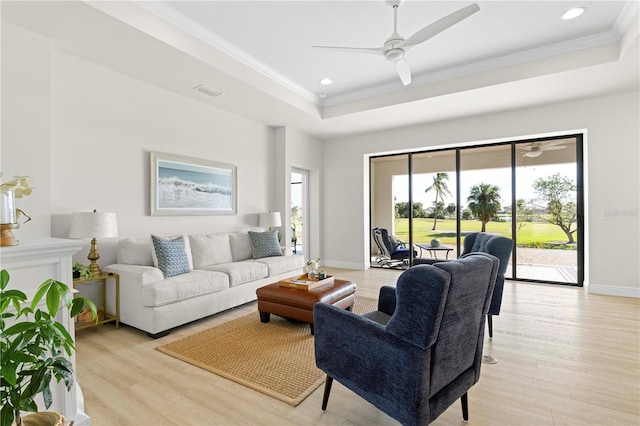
(135, 252)
(265, 244)
(241, 272)
(240, 246)
(210, 249)
(184, 286)
(171, 255)
(281, 264)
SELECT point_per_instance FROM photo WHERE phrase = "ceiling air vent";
(207, 90)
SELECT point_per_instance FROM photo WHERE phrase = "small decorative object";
(322, 275)
(435, 242)
(303, 282)
(312, 268)
(93, 225)
(33, 346)
(17, 187)
(81, 271)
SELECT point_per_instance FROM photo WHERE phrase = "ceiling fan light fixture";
(532, 154)
(326, 81)
(573, 13)
(394, 54)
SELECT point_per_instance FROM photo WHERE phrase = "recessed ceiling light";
(322, 95)
(573, 13)
(326, 81)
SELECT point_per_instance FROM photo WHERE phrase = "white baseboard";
(344, 265)
(612, 290)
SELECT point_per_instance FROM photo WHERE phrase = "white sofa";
(223, 275)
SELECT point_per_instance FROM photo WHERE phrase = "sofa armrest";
(136, 274)
(133, 281)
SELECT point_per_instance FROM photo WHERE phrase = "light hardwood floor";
(565, 357)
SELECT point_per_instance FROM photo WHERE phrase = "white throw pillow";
(135, 252)
(210, 249)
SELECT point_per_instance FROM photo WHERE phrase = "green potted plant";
(81, 271)
(32, 344)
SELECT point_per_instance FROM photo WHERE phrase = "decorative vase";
(8, 218)
(312, 270)
(8, 207)
(435, 242)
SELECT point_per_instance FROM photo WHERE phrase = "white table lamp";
(270, 220)
(93, 225)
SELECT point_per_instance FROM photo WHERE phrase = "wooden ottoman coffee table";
(295, 304)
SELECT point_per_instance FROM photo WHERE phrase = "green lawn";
(531, 234)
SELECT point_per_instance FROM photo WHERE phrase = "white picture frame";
(186, 186)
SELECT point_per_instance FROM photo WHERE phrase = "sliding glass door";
(546, 210)
(434, 189)
(529, 191)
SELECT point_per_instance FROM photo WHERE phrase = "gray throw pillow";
(265, 244)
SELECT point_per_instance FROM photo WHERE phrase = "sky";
(525, 176)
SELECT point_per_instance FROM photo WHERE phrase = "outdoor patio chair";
(392, 252)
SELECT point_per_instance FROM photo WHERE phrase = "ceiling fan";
(535, 149)
(396, 46)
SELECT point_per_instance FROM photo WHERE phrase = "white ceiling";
(258, 53)
(277, 37)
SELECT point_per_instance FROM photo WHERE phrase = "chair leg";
(465, 407)
(490, 322)
(327, 391)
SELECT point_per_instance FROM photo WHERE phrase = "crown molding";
(190, 26)
(481, 66)
(622, 23)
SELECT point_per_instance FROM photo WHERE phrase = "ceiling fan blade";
(553, 143)
(402, 67)
(441, 24)
(374, 50)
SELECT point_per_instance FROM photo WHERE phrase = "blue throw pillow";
(265, 244)
(172, 255)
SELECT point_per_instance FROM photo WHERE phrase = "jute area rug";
(276, 358)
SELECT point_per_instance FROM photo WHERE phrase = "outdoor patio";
(533, 263)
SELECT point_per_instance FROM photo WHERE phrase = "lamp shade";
(93, 225)
(270, 220)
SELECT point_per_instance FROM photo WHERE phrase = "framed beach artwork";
(184, 186)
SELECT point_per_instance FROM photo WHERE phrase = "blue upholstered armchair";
(499, 247)
(496, 245)
(422, 349)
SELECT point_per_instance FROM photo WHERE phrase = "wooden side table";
(108, 317)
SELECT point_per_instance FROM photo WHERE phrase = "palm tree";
(451, 209)
(439, 186)
(484, 202)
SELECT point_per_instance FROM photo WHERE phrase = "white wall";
(26, 121)
(611, 177)
(95, 128)
(103, 126)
